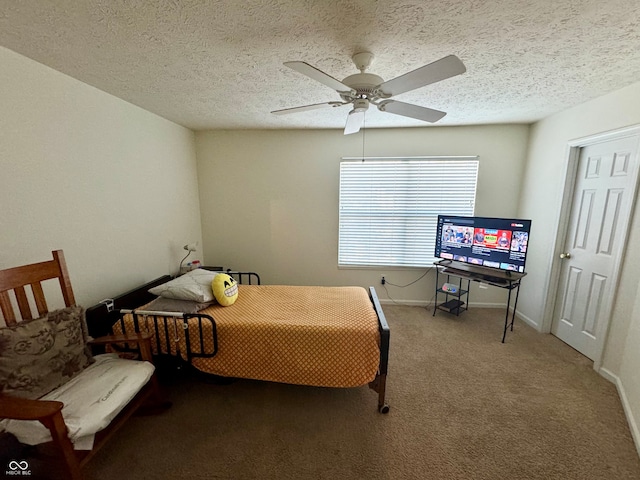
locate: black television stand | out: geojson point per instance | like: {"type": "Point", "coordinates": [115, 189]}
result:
{"type": "Point", "coordinates": [467, 273]}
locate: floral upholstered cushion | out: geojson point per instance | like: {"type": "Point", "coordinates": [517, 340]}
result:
{"type": "Point", "coordinates": [37, 356]}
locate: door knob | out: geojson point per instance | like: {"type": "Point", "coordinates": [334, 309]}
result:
{"type": "Point", "coordinates": [565, 255]}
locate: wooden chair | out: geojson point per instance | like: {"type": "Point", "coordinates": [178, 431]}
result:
{"type": "Point", "coordinates": [49, 412]}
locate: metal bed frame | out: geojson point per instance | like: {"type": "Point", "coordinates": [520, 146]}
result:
{"type": "Point", "coordinates": [98, 320]}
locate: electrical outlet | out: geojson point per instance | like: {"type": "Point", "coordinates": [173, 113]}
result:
{"type": "Point", "coordinates": [383, 281]}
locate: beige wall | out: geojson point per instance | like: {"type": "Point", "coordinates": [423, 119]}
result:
{"type": "Point", "coordinates": [540, 200]}
{"type": "Point", "coordinates": [269, 199]}
{"type": "Point", "coordinates": [112, 185]}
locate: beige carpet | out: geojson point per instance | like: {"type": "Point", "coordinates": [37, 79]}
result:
{"type": "Point", "coordinates": [463, 406]}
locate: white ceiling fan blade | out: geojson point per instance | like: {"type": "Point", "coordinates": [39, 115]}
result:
{"type": "Point", "coordinates": [446, 67]}
{"type": "Point", "coordinates": [355, 120]}
{"type": "Point", "coordinates": [304, 108]}
{"type": "Point", "coordinates": [318, 76]}
{"type": "Point", "coordinates": [414, 111]}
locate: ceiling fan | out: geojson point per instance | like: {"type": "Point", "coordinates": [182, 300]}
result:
{"type": "Point", "coordinates": [363, 89]}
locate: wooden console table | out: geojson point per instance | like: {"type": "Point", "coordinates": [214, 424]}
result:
{"type": "Point", "coordinates": [497, 278]}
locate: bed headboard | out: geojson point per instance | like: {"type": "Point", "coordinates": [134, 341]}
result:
{"type": "Point", "coordinates": [244, 278]}
{"type": "Point", "coordinates": [101, 316]}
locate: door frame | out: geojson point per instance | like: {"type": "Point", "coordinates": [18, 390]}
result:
{"type": "Point", "coordinates": [570, 178]}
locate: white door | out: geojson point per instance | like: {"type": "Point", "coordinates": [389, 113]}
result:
{"type": "Point", "coordinates": [602, 204]}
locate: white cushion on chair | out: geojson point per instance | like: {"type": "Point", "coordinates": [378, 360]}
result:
{"type": "Point", "coordinates": [91, 400]}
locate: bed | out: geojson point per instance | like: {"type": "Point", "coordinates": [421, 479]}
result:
{"type": "Point", "coordinates": [317, 336]}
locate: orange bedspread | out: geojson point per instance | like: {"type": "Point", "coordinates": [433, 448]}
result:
{"type": "Point", "coordinates": [321, 336]}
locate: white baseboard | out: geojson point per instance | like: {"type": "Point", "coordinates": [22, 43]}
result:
{"type": "Point", "coordinates": [528, 321]}
{"type": "Point", "coordinates": [409, 303]}
{"type": "Point", "coordinates": [612, 377]}
{"type": "Point", "coordinates": [633, 425]}
{"type": "Point", "coordinates": [422, 303]}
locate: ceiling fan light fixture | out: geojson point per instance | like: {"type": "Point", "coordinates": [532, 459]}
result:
{"type": "Point", "coordinates": [360, 105]}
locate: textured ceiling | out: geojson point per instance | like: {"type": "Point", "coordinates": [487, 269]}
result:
{"type": "Point", "coordinates": [219, 64]}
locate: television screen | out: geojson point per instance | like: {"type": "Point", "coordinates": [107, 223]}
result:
{"type": "Point", "coordinates": [489, 242]}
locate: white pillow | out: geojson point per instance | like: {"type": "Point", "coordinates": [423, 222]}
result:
{"type": "Point", "coordinates": [194, 285]}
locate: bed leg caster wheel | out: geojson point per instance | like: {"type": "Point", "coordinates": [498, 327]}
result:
{"type": "Point", "coordinates": [383, 408]}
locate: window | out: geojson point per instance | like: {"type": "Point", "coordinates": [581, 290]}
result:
{"type": "Point", "coordinates": [389, 207]}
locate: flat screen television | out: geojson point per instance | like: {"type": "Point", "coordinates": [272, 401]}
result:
{"type": "Point", "coordinates": [499, 243]}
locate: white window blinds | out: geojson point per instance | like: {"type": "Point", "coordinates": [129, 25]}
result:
{"type": "Point", "coordinates": [389, 207]}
